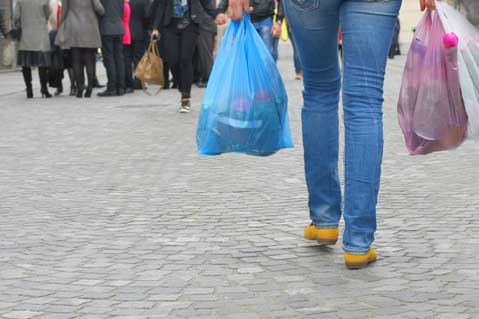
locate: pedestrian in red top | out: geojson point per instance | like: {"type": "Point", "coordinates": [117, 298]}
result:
{"type": "Point", "coordinates": [126, 48]}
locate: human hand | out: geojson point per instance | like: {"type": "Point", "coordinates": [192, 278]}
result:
{"type": "Point", "coordinates": [155, 33]}
{"type": "Point", "coordinates": [427, 4]}
{"type": "Point", "coordinates": [236, 8]}
{"type": "Point", "coordinates": [276, 30]}
{"type": "Point", "coordinates": [221, 19]}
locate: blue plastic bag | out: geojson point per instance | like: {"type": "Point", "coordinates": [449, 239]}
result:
{"type": "Point", "coordinates": [245, 107]}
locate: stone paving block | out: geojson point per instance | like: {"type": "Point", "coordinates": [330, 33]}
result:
{"type": "Point", "coordinates": [22, 314]}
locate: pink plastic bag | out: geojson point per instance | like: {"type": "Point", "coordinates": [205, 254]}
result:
{"type": "Point", "coordinates": [431, 111]}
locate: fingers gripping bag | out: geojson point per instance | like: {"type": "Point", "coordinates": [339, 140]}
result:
{"type": "Point", "coordinates": [245, 107]}
{"type": "Point", "coordinates": [468, 61]}
{"type": "Point", "coordinates": [431, 110]}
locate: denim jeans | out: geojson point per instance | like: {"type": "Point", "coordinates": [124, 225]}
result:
{"type": "Point", "coordinates": [275, 49]}
{"type": "Point", "coordinates": [368, 27]}
{"type": "Point", "coordinates": [264, 28]}
{"type": "Point", "coordinates": [298, 68]}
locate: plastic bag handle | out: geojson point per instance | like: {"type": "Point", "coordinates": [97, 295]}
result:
{"type": "Point", "coordinates": [424, 26]}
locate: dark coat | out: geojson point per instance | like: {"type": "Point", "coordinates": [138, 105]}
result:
{"type": "Point", "coordinates": [209, 25]}
{"type": "Point", "coordinates": [140, 13]}
{"type": "Point", "coordinates": [79, 24]}
{"type": "Point", "coordinates": [202, 11]}
{"type": "Point", "coordinates": [111, 22]}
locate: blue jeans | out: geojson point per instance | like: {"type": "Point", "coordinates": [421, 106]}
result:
{"type": "Point", "coordinates": [264, 30]}
{"type": "Point", "coordinates": [368, 27]}
{"type": "Point", "coordinates": [275, 49]}
{"type": "Point", "coordinates": [298, 68]}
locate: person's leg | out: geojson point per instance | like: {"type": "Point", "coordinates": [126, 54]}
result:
{"type": "Point", "coordinates": [264, 30]}
{"type": "Point", "coordinates": [315, 29]}
{"type": "Point", "coordinates": [89, 56]}
{"type": "Point", "coordinates": [109, 62]}
{"type": "Point", "coordinates": [139, 48]}
{"type": "Point", "coordinates": [163, 54]}
{"type": "Point", "coordinates": [205, 55]}
{"type": "Point", "coordinates": [119, 64]}
{"type": "Point", "coordinates": [27, 78]}
{"type": "Point", "coordinates": [171, 48]}
{"type": "Point", "coordinates": [210, 56]}
{"type": "Point", "coordinates": [71, 76]}
{"type": "Point", "coordinates": [275, 49]}
{"type": "Point", "coordinates": [189, 39]}
{"type": "Point", "coordinates": [77, 63]}
{"type": "Point", "coordinates": [364, 67]}
{"type": "Point", "coordinates": [128, 52]}
{"type": "Point", "coordinates": [43, 74]}
{"type": "Point", "coordinates": [297, 62]}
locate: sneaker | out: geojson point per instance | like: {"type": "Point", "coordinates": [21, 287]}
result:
{"type": "Point", "coordinates": [298, 76]}
{"type": "Point", "coordinates": [185, 105]}
{"type": "Point", "coordinates": [360, 261]}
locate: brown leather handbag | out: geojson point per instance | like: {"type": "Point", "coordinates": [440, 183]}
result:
{"type": "Point", "coordinates": [150, 68]}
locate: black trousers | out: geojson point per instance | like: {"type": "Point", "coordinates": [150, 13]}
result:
{"type": "Point", "coordinates": [114, 61]}
{"type": "Point", "coordinates": [179, 45]}
{"type": "Point", "coordinates": [203, 61]}
{"type": "Point", "coordinates": [133, 55]}
{"type": "Point", "coordinates": [83, 58]}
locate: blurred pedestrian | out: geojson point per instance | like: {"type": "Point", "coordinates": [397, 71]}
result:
{"type": "Point", "coordinates": [178, 21]}
{"type": "Point", "coordinates": [31, 16]}
{"type": "Point", "coordinates": [127, 48]}
{"type": "Point", "coordinates": [161, 46]}
{"type": "Point", "coordinates": [276, 29]}
{"type": "Point", "coordinates": [112, 31]}
{"type": "Point", "coordinates": [395, 48]}
{"type": "Point", "coordinates": [55, 72]}
{"type": "Point", "coordinates": [79, 32]}
{"type": "Point", "coordinates": [139, 19]}
{"type": "Point", "coordinates": [203, 58]}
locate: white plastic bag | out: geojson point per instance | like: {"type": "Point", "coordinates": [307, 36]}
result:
{"type": "Point", "coordinates": [468, 61]}
{"type": "Point", "coordinates": [8, 54]}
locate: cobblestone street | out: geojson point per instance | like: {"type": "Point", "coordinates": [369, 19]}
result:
{"type": "Point", "coordinates": [106, 211]}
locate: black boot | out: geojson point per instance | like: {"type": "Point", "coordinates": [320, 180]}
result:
{"type": "Point", "coordinates": [27, 77]}
{"type": "Point", "coordinates": [43, 72]}
{"type": "Point", "coordinates": [59, 89]}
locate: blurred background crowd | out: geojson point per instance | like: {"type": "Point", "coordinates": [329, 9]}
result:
{"type": "Point", "coordinates": [65, 39]}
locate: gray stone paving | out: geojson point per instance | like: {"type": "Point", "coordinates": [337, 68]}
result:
{"type": "Point", "coordinates": [107, 212]}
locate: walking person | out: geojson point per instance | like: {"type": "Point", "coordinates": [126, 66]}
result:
{"type": "Point", "coordinates": [203, 58]}
{"type": "Point", "coordinates": [127, 48]}
{"type": "Point", "coordinates": [367, 32]}
{"type": "Point", "coordinates": [161, 46]}
{"type": "Point", "coordinates": [178, 21]}
{"type": "Point", "coordinates": [139, 20]}
{"type": "Point", "coordinates": [55, 72]}
{"type": "Point", "coordinates": [79, 32]}
{"type": "Point", "coordinates": [112, 31]}
{"type": "Point", "coordinates": [31, 16]}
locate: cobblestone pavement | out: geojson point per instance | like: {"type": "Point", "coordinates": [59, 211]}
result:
{"type": "Point", "coordinates": [106, 211]}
